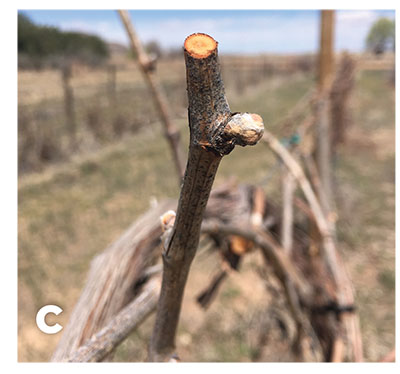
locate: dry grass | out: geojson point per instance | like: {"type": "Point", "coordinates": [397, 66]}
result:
{"type": "Point", "coordinates": [104, 108]}
{"type": "Point", "coordinates": [71, 212]}
{"type": "Point", "coordinates": [36, 86]}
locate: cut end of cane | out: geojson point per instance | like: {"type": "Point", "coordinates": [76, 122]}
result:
{"type": "Point", "coordinates": [167, 220]}
{"type": "Point", "coordinates": [245, 128]}
{"type": "Point", "coordinates": [200, 45]}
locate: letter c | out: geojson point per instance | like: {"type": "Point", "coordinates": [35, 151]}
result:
{"type": "Point", "coordinates": [41, 321]}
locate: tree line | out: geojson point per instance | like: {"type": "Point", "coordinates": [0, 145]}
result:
{"type": "Point", "coordinates": [40, 46]}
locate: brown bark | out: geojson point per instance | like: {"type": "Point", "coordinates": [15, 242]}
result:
{"type": "Point", "coordinates": [147, 67]}
{"type": "Point", "coordinates": [214, 131]}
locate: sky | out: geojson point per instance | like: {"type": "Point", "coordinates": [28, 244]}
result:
{"type": "Point", "coordinates": [237, 31]}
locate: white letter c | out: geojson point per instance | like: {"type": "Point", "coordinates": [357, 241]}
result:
{"type": "Point", "coordinates": [41, 322]}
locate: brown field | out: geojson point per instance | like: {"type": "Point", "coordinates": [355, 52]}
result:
{"type": "Point", "coordinates": [71, 208]}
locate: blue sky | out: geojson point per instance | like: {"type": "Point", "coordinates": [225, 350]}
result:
{"type": "Point", "coordinates": [242, 31]}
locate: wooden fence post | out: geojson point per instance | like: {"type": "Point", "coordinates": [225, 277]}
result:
{"type": "Point", "coordinates": [326, 58]}
{"type": "Point", "coordinates": [112, 86]}
{"type": "Point", "coordinates": [325, 74]}
{"type": "Point", "coordinates": [69, 105]}
{"type": "Point", "coordinates": [322, 144]}
{"type": "Point", "coordinates": [214, 132]}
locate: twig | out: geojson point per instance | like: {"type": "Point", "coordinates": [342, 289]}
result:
{"type": "Point", "coordinates": [298, 173]}
{"type": "Point", "coordinates": [101, 344]}
{"type": "Point", "coordinates": [332, 259]}
{"type": "Point", "coordinates": [309, 350]}
{"type": "Point", "coordinates": [280, 262]}
{"type": "Point", "coordinates": [146, 65]}
{"type": "Point", "coordinates": [304, 208]}
{"type": "Point", "coordinates": [316, 182]}
{"type": "Point", "coordinates": [214, 131]}
{"type": "Point", "coordinates": [233, 248]}
{"type": "Point", "coordinates": [258, 208]}
{"type": "Point", "coordinates": [337, 350]}
{"type": "Point", "coordinates": [206, 297]}
{"type": "Point", "coordinates": [288, 189]}
{"type": "Point", "coordinates": [295, 286]}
